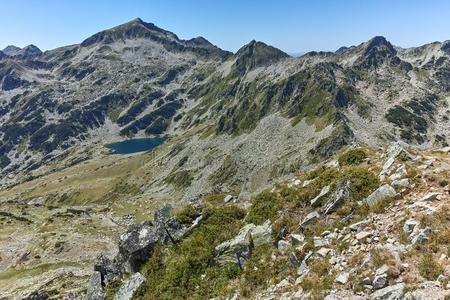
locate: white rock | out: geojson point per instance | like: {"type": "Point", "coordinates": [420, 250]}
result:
{"type": "Point", "coordinates": [323, 251]}
{"type": "Point", "coordinates": [342, 278]}
{"type": "Point", "coordinates": [400, 183]}
{"type": "Point", "coordinates": [429, 197]}
{"type": "Point", "coordinates": [363, 235]}
{"type": "Point", "coordinates": [297, 239]}
{"type": "Point", "coordinates": [228, 198]}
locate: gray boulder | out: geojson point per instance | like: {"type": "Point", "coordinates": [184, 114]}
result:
{"type": "Point", "coordinates": [379, 281]}
{"type": "Point", "coordinates": [127, 289]}
{"type": "Point", "coordinates": [239, 249]}
{"type": "Point", "coordinates": [383, 192]}
{"type": "Point", "coordinates": [108, 269]}
{"type": "Point", "coordinates": [311, 217]}
{"type": "Point", "coordinates": [338, 199]}
{"type": "Point", "coordinates": [393, 292]}
{"type": "Point", "coordinates": [95, 289]}
{"type": "Point", "coordinates": [319, 198]}
{"type": "Point", "coordinates": [400, 183]}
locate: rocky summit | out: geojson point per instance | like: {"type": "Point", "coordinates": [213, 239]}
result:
{"type": "Point", "coordinates": [324, 176]}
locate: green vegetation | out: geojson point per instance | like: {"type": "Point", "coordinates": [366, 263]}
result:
{"type": "Point", "coordinates": [186, 215]}
{"type": "Point", "coordinates": [352, 157]}
{"type": "Point", "coordinates": [264, 206]}
{"type": "Point", "coordinates": [319, 279]}
{"type": "Point", "coordinates": [176, 273]}
{"type": "Point", "coordinates": [429, 267]}
{"type": "Point", "coordinates": [181, 179]}
{"type": "Point", "coordinates": [261, 270]}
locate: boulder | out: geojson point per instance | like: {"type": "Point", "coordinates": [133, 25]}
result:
{"type": "Point", "coordinates": [109, 270]}
{"type": "Point", "coordinates": [379, 281]}
{"type": "Point", "coordinates": [383, 192]}
{"type": "Point", "coordinates": [136, 245]}
{"type": "Point", "coordinates": [393, 292]}
{"type": "Point", "coordinates": [239, 249]}
{"type": "Point", "coordinates": [398, 173]}
{"type": "Point", "coordinates": [323, 251]}
{"type": "Point", "coordinates": [342, 278]}
{"type": "Point", "coordinates": [127, 289]}
{"type": "Point", "coordinates": [360, 236]}
{"type": "Point", "coordinates": [95, 289]}
{"type": "Point", "coordinates": [338, 198]}
{"type": "Point", "coordinates": [429, 197]}
{"type": "Point", "coordinates": [297, 239]}
{"type": "Point", "coordinates": [400, 183]}
{"type": "Point", "coordinates": [311, 217]}
{"type": "Point", "coordinates": [228, 198]}
{"type": "Point", "coordinates": [317, 201]}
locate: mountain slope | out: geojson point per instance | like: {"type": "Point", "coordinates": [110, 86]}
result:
{"type": "Point", "coordinates": [138, 79]}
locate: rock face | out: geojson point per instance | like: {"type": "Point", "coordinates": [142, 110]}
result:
{"type": "Point", "coordinates": [338, 199]}
{"type": "Point", "coordinates": [239, 249]}
{"type": "Point", "coordinates": [383, 192]}
{"type": "Point", "coordinates": [127, 289]}
{"type": "Point", "coordinates": [95, 289]}
{"type": "Point", "coordinates": [136, 246]}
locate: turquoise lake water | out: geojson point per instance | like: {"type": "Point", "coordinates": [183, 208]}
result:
{"type": "Point", "coordinates": [135, 145]}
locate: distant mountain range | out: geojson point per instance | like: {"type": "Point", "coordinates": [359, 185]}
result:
{"type": "Point", "coordinates": [137, 79]}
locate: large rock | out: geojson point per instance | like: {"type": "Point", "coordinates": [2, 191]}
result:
{"type": "Point", "coordinates": [319, 198]}
{"type": "Point", "coordinates": [137, 243]}
{"type": "Point", "coordinates": [416, 235]}
{"type": "Point", "coordinates": [311, 217]}
{"type": "Point", "coordinates": [108, 269]}
{"type": "Point", "coordinates": [239, 249]}
{"type": "Point", "coordinates": [338, 198]}
{"type": "Point", "coordinates": [383, 192]}
{"type": "Point", "coordinates": [95, 289]}
{"type": "Point", "coordinates": [127, 289]}
{"type": "Point", "coordinates": [393, 292]}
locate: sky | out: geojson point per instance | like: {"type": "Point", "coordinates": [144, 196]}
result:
{"type": "Point", "coordinates": [292, 26]}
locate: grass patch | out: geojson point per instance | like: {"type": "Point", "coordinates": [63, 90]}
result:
{"type": "Point", "coordinates": [429, 267]}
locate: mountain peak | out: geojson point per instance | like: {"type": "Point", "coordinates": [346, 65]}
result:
{"type": "Point", "coordinates": [256, 54]}
{"type": "Point", "coordinates": [11, 50]}
{"type": "Point", "coordinates": [378, 43]}
{"type": "Point", "coordinates": [135, 28]}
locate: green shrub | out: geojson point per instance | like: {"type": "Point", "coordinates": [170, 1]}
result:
{"type": "Point", "coordinates": [352, 157]}
{"type": "Point", "coordinates": [187, 214]}
{"type": "Point", "coordinates": [363, 182]}
{"type": "Point", "coordinates": [264, 206]}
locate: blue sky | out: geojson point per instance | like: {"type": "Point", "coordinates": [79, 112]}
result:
{"type": "Point", "coordinates": [293, 26]}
